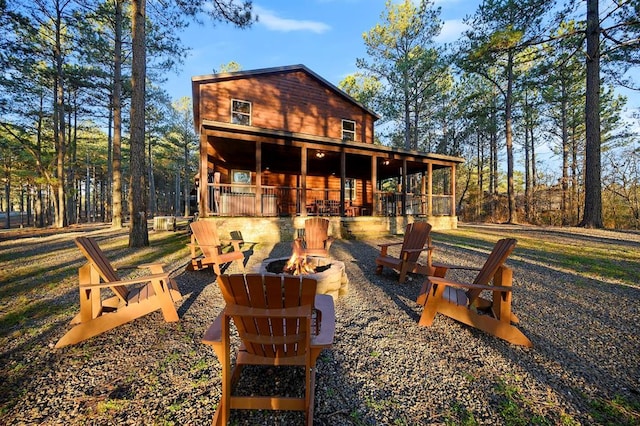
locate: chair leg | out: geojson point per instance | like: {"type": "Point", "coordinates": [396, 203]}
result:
{"type": "Point", "coordinates": [404, 270]}
{"type": "Point", "coordinates": [432, 300]}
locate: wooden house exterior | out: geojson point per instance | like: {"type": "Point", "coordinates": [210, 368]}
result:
{"type": "Point", "coordinates": [284, 142]}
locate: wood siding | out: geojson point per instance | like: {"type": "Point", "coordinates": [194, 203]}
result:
{"type": "Point", "coordinates": [292, 101]}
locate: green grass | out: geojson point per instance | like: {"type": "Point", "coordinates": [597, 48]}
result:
{"type": "Point", "coordinates": [600, 260]}
{"type": "Point", "coordinates": [617, 411]}
{"type": "Point", "coordinates": [459, 416]}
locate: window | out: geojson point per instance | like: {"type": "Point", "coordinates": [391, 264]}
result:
{"type": "Point", "coordinates": [240, 112]}
{"type": "Point", "coordinates": [348, 130]}
{"type": "Point", "coordinates": [350, 189]}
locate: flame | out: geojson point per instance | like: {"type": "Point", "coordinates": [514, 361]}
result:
{"type": "Point", "coordinates": [297, 263]}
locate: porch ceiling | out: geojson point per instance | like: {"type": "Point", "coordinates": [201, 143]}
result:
{"type": "Point", "coordinates": [284, 156]}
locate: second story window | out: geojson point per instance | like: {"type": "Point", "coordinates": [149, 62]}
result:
{"type": "Point", "coordinates": [348, 130]}
{"type": "Point", "coordinates": [240, 112]}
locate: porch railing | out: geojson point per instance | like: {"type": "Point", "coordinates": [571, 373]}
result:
{"type": "Point", "coordinates": [240, 200]}
{"type": "Point", "coordinates": [390, 204]}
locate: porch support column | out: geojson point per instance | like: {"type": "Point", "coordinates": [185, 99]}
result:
{"type": "Point", "coordinates": [429, 190]}
{"type": "Point", "coordinates": [453, 191]}
{"type": "Point", "coordinates": [258, 197]}
{"type": "Point", "coordinates": [203, 208]}
{"type": "Point", "coordinates": [404, 186]}
{"type": "Point", "coordinates": [303, 181]}
{"type": "Point", "coordinates": [343, 177]}
{"type": "Point", "coordinates": [423, 194]}
{"type": "Point", "coordinates": [374, 185]}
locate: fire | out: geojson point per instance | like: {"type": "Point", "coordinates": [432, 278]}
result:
{"type": "Point", "coordinates": [297, 263]}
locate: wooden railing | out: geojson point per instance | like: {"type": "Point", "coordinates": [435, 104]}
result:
{"type": "Point", "coordinates": [390, 204]}
{"type": "Point", "coordinates": [241, 200]}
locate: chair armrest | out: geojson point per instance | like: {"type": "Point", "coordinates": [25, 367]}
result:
{"type": "Point", "coordinates": [449, 283]}
{"type": "Point", "coordinates": [326, 315]}
{"type": "Point", "coordinates": [416, 250]}
{"type": "Point", "coordinates": [389, 244]}
{"type": "Point", "coordinates": [213, 335]}
{"type": "Point", "coordinates": [231, 241]}
{"type": "Point", "coordinates": [448, 266]}
{"type": "Point", "coordinates": [137, 280]}
{"type": "Point", "coordinates": [328, 242]}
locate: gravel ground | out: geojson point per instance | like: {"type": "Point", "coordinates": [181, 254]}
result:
{"type": "Point", "coordinates": [382, 369]}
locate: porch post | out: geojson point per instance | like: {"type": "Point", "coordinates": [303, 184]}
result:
{"type": "Point", "coordinates": [303, 181]}
{"type": "Point", "coordinates": [258, 198]}
{"type": "Point", "coordinates": [404, 186]}
{"type": "Point", "coordinates": [374, 185]}
{"type": "Point", "coordinates": [203, 208]}
{"type": "Point", "coordinates": [429, 189]}
{"type": "Point", "coordinates": [423, 193]}
{"type": "Point", "coordinates": [343, 174]}
{"type": "Point", "coordinates": [453, 190]}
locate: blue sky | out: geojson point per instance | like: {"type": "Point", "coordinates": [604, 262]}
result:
{"type": "Point", "coordinates": [324, 35]}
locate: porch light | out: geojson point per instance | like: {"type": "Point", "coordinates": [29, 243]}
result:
{"type": "Point", "coordinates": [319, 154]}
{"type": "Point", "coordinates": [385, 162]}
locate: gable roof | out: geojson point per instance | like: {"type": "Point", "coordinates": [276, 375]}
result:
{"type": "Point", "coordinates": [211, 78]}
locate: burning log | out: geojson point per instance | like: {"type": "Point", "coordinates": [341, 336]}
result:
{"type": "Point", "coordinates": [297, 263]}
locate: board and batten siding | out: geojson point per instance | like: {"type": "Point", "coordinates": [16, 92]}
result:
{"type": "Point", "coordinates": [292, 101]}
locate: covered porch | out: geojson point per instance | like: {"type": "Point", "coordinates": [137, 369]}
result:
{"type": "Point", "coordinates": [253, 172]}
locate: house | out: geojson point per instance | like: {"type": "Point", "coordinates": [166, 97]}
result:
{"type": "Point", "coordinates": [284, 143]}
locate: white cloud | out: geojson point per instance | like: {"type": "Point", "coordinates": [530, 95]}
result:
{"type": "Point", "coordinates": [451, 31]}
{"type": "Point", "coordinates": [273, 22]}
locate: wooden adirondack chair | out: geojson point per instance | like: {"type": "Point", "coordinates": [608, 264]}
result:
{"type": "Point", "coordinates": [204, 236]}
{"type": "Point", "coordinates": [316, 241]}
{"type": "Point", "coordinates": [417, 239]}
{"type": "Point", "coordinates": [280, 321]}
{"type": "Point", "coordinates": [96, 315]}
{"type": "Point", "coordinates": [463, 301]}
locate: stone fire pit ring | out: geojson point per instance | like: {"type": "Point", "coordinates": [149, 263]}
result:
{"type": "Point", "coordinates": [332, 280]}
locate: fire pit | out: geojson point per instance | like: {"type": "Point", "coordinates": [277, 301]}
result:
{"type": "Point", "coordinates": [330, 273]}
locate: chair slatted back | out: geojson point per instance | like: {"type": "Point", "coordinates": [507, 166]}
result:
{"type": "Point", "coordinates": [416, 236]}
{"type": "Point", "coordinates": [316, 232]}
{"type": "Point", "coordinates": [205, 233]}
{"type": "Point", "coordinates": [496, 259]}
{"type": "Point", "coordinates": [271, 337]}
{"type": "Point", "coordinates": [96, 257]}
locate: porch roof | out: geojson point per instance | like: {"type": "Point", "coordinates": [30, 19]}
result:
{"type": "Point", "coordinates": [238, 143]}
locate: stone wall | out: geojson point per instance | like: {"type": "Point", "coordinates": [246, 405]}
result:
{"type": "Point", "coordinates": [276, 229]}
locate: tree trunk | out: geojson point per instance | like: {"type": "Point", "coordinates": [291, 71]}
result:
{"type": "Point", "coordinates": [565, 158]}
{"type": "Point", "coordinates": [138, 232]}
{"type": "Point", "coordinates": [152, 184]}
{"type": "Point", "coordinates": [592, 173]}
{"type": "Point", "coordinates": [527, 158]}
{"type": "Point", "coordinates": [513, 218]}
{"type": "Point", "coordinates": [59, 128]}
{"type": "Point", "coordinates": [116, 200]}
{"type": "Point", "coordinates": [187, 177]}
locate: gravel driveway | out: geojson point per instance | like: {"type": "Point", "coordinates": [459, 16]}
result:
{"type": "Point", "coordinates": [383, 368]}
